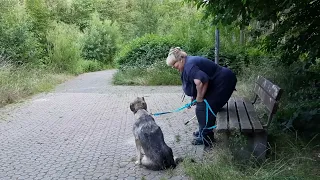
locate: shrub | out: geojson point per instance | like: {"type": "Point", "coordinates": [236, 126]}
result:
{"type": "Point", "coordinates": [100, 40]}
{"type": "Point", "coordinates": [299, 104]}
{"type": "Point", "coordinates": [19, 82]}
{"type": "Point", "coordinates": [90, 66]}
{"type": "Point", "coordinates": [146, 50]}
{"type": "Point", "coordinates": [16, 38]}
{"type": "Point", "coordinates": [65, 47]}
{"type": "Point", "coordinates": [156, 74]}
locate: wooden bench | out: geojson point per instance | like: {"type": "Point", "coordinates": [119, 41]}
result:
{"type": "Point", "coordinates": [238, 115]}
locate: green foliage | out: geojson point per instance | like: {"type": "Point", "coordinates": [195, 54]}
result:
{"type": "Point", "coordinates": [187, 30]}
{"type": "Point", "coordinates": [16, 38]}
{"type": "Point", "coordinates": [123, 12]}
{"type": "Point", "coordinates": [145, 51]}
{"type": "Point", "coordinates": [109, 9]}
{"type": "Point", "coordinates": [40, 17]}
{"type": "Point", "coordinates": [241, 12]}
{"type": "Point", "coordinates": [157, 74]}
{"type": "Point", "coordinates": [287, 158]}
{"type": "Point", "coordinates": [60, 10]}
{"type": "Point", "coordinates": [161, 74]}
{"type": "Point", "coordinates": [296, 34]}
{"type": "Point", "coordinates": [184, 23]}
{"type": "Point", "coordinates": [75, 12]}
{"type": "Point", "coordinates": [130, 76]}
{"type": "Point", "coordinates": [295, 24]}
{"type": "Point", "coordinates": [299, 104]}
{"type": "Point", "coordinates": [147, 17]}
{"type": "Point", "coordinates": [90, 66]}
{"type": "Point", "coordinates": [100, 40]}
{"type": "Point", "coordinates": [17, 83]}
{"type": "Point", "coordinates": [65, 47]}
{"type": "Point", "coordinates": [81, 11]}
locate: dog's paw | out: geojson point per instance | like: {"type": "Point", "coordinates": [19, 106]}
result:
{"type": "Point", "coordinates": [178, 160]}
{"type": "Point", "coordinates": [138, 163]}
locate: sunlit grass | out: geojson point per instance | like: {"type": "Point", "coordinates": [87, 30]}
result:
{"type": "Point", "coordinates": [157, 74]}
{"type": "Point", "coordinates": [17, 83]}
{"type": "Point", "coordinates": [288, 159]}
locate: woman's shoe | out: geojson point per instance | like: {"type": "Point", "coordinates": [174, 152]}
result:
{"type": "Point", "coordinates": [196, 133]}
{"type": "Point", "coordinates": [207, 140]}
{"type": "Point", "coordinates": [197, 141]}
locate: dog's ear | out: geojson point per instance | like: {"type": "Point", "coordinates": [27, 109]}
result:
{"type": "Point", "coordinates": [143, 98]}
{"type": "Point", "coordinates": [131, 107]}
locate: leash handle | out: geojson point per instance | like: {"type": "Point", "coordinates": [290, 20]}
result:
{"type": "Point", "coordinates": [158, 114]}
{"type": "Point", "coordinates": [189, 120]}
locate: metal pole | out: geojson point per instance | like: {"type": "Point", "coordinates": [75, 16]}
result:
{"type": "Point", "coordinates": [216, 53]}
{"type": "Point", "coordinates": [241, 37]}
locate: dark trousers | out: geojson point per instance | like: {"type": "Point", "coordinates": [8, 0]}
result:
{"type": "Point", "coordinates": [220, 91]}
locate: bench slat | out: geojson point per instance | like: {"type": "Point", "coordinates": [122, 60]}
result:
{"type": "Point", "coordinates": [271, 89]}
{"type": "Point", "coordinates": [257, 127]}
{"type": "Point", "coordinates": [222, 120]}
{"type": "Point", "coordinates": [243, 116]}
{"type": "Point", "coordinates": [267, 100]}
{"type": "Point", "coordinates": [233, 118]}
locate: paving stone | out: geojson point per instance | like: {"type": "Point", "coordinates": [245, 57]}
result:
{"type": "Point", "coordinates": [97, 175]}
{"type": "Point", "coordinates": [79, 176]}
{"type": "Point", "coordinates": [83, 130]}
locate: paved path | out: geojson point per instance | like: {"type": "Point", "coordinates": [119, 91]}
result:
{"type": "Point", "coordinates": [83, 130]}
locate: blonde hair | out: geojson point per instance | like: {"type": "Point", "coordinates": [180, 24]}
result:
{"type": "Point", "coordinates": [175, 54]}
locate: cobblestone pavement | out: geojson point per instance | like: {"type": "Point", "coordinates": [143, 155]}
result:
{"type": "Point", "coordinates": [83, 130]}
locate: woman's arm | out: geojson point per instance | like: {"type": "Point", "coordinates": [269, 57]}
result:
{"type": "Point", "coordinates": [201, 89]}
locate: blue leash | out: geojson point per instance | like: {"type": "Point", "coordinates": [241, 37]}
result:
{"type": "Point", "coordinates": [188, 105]}
{"type": "Point", "coordinates": [177, 110]}
{"type": "Point", "coordinates": [207, 116]}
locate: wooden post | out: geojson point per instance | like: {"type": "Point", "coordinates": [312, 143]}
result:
{"type": "Point", "coordinates": [216, 53]}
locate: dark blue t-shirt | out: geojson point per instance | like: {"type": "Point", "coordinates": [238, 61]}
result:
{"type": "Point", "coordinates": [201, 68]}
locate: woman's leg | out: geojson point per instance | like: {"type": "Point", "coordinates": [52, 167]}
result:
{"type": "Point", "coordinates": [217, 98]}
{"type": "Point", "coordinates": [205, 136]}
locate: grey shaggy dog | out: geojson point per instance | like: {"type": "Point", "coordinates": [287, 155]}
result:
{"type": "Point", "coordinates": [152, 152]}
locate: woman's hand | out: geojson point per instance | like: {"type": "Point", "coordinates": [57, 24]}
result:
{"type": "Point", "coordinates": [201, 89]}
{"type": "Point", "coordinates": [192, 104]}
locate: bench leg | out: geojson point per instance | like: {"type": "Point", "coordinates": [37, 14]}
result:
{"type": "Point", "coordinates": [255, 146]}
{"type": "Point", "coordinates": [224, 139]}
{"type": "Point", "coordinates": [260, 146]}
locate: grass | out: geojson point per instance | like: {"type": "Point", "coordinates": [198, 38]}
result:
{"type": "Point", "coordinates": [288, 159]}
{"type": "Point", "coordinates": [17, 83]}
{"type": "Point", "coordinates": [177, 138]}
{"type": "Point", "coordinates": [147, 76]}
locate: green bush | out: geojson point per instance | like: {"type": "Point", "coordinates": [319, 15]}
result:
{"type": "Point", "coordinates": [161, 74]}
{"type": "Point", "coordinates": [197, 35]}
{"type": "Point", "coordinates": [299, 108]}
{"type": "Point", "coordinates": [16, 38]}
{"type": "Point", "coordinates": [100, 40]}
{"type": "Point", "coordinates": [156, 74]}
{"type": "Point", "coordinates": [90, 66]}
{"type": "Point", "coordinates": [19, 82]}
{"type": "Point", "coordinates": [64, 47]}
{"type": "Point", "coordinates": [145, 51]}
